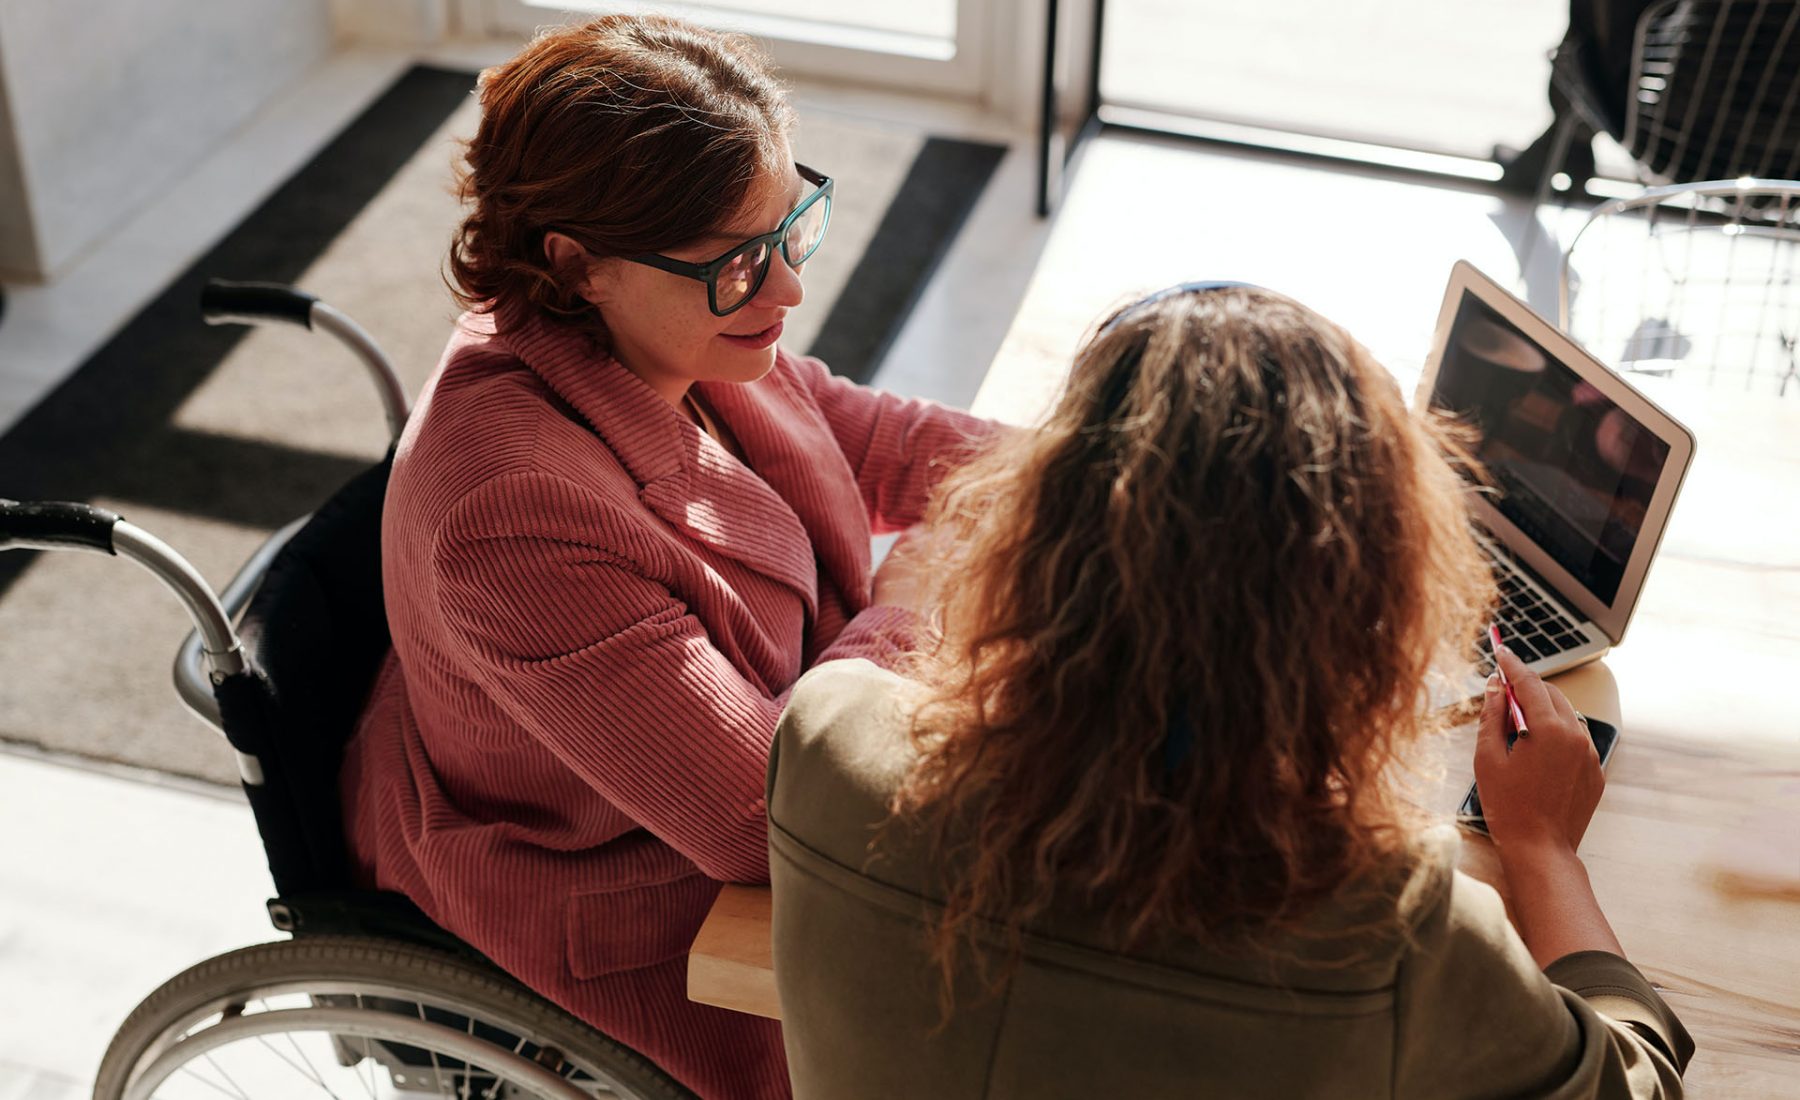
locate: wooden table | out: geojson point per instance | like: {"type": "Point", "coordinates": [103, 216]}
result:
{"type": "Point", "coordinates": [1695, 851]}
{"type": "Point", "coordinates": [731, 964]}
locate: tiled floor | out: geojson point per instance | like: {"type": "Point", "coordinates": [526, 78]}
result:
{"type": "Point", "coordinates": [110, 883]}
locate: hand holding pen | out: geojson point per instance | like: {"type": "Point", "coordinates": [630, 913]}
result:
{"type": "Point", "coordinates": [1540, 790]}
{"type": "Point", "coordinates": [1515, 716]}
{"type": "Point", "coordinates": [1538, 795]}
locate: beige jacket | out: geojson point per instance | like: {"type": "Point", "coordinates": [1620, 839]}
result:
{"type": "Point", "coordinates": [1453, 1007]}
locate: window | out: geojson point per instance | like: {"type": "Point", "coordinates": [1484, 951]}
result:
{"type": "Point", "coordinates": [936, 46]}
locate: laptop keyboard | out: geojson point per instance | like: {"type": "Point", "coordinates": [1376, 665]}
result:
{"type": "Point", "coordinates": [1531, 625]}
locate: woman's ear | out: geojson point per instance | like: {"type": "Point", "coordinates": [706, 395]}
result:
{"type": "Point", "coordinates": [568, 259]}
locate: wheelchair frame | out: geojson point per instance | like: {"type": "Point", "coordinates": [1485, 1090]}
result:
{"type": "Point", "coordinates": [393, 992]}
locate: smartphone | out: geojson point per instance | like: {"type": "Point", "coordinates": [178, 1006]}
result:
{"type": "Point", "coordinates": [1605, 736]}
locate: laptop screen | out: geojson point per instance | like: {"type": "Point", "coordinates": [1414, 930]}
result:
{"type": "Point", "coordinates": [1575, 472]}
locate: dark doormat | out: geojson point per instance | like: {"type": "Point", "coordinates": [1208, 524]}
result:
{"type": "Point", "coordinates": [116, 432]}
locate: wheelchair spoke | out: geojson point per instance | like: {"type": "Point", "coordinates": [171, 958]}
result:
{"type": "Point", "coordinates": [317, 1077]}
{"type": "Point", "coordinates": [366, 1071]}
{"type": "Point", "coordinates": [401, 1026]}
{"type": "Point", "coordinates": [466, 1073]}
{"type": "Point", "coordinates": [189, 1070]}
{"type": "Point", "coordinates": [436, 1066]}
{"type": "Point", "coordinates": [309, 1072]}
{"type": "Point", "coordinates": [221, 1070]}
{"type": "Point", "coordinates": [494, 1089]}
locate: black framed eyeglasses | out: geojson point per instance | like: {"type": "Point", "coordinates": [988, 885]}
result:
{"type": "Point", "coordinates": [734, 278]}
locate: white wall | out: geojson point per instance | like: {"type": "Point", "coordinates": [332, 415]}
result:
{"type": "Point", "coordinates": [18, 240]}
{"type": "Point", "coordinates": [108, 102]}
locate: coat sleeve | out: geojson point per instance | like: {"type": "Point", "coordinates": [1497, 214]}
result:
{"type": "Point", "coordinates": [1475, 1008]}
{"type": "Point", "coordinates": [579, 644]}
{"type": "Point", "coordinates": [898, 448]}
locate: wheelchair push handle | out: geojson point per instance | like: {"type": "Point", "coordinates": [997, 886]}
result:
{"type": "Point", "coordinates": [55, 525]}
{"type": "Point", "coordinates": [225, 302]}
{"type": "Point", "coordinates": [70, 525]}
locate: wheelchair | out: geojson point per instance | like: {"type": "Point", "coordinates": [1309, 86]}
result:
{"type": "Point", "coordinates": [367, 997]}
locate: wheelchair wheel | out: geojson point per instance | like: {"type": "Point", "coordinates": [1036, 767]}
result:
{"type": "Point", "coordinates": [343, 1016]}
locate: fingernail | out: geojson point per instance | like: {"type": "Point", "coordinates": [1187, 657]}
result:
{"type": "Point", "coordinates": [1493, 683]}
{"type": "Point", "coordinates": [1506, 649]}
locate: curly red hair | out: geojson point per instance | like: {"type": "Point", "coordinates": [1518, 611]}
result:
{"type": "Point", "coordinates": [1187, 629]}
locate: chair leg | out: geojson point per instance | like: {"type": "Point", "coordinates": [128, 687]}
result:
{"type": "Point", "coordinates": [1561, 137]}
{"type": "Point", "coordinates": [1524, 172]}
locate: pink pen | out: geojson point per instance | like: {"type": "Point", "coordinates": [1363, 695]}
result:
{"type": "Point", "coordinates": [1512, 702]}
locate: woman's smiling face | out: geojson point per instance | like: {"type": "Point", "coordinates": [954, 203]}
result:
{"type": "Point", "coordinates": [661, 325]}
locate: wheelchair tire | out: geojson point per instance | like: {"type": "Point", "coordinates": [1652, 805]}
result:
{"type": "Point", "coordinates": [427, 1019]}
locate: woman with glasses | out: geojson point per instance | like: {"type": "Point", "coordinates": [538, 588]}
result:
{"type": "Point", "coordinates": [621, 523]}
{"type": "Point", "coordinates": [1145, 820]}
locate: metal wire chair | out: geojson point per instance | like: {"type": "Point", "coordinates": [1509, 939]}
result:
{"type": "Point", "coordinates": [1697, 90]}
{"type": "Point", "coordinates": [1716, 90]}
{"type": "Point", "coordinates": [1699, 283]}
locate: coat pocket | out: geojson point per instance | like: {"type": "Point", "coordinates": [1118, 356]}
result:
{"type": "Point", "coordinates": [630, 927]}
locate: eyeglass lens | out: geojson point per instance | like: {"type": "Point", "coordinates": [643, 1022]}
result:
{"type": "Point", "coordinates": [743, 273]}
{"type": "Point", "coordinates": [805, 233]}
{"type": "Point", "coordinates": [738, 279]}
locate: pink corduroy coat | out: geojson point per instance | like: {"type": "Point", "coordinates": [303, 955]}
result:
{"type": "Point", "coordinates": [597, 615]}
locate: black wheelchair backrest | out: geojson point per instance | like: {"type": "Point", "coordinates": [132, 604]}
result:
{"type": "Point", "coordinates": [317, 633]}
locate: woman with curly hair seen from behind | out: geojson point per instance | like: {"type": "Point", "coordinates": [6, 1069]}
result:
{"type": "Point", "coordinates": [621, 523]}
{"type": "Point", "coordinates": [1138, 824]}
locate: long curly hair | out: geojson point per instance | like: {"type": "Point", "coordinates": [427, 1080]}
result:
{"type": "Point", "coordinates": [629, 133]}
{"type": "Point", "coordinates": [1185, 631]}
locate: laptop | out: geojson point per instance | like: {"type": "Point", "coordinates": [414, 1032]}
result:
{"type": "Point", "coordinates": [1584, 472]}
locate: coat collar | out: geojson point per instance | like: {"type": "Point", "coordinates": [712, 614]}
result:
{"type": "Point", "coordinates": [683, 474]}
{"type": "Point", "coordinates": [793, 448]}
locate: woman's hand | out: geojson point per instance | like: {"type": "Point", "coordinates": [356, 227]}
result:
{"type": "Point", "coordinates": [1543, 790]}
{"type": "Point", "coordinates": [1538, 798]}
